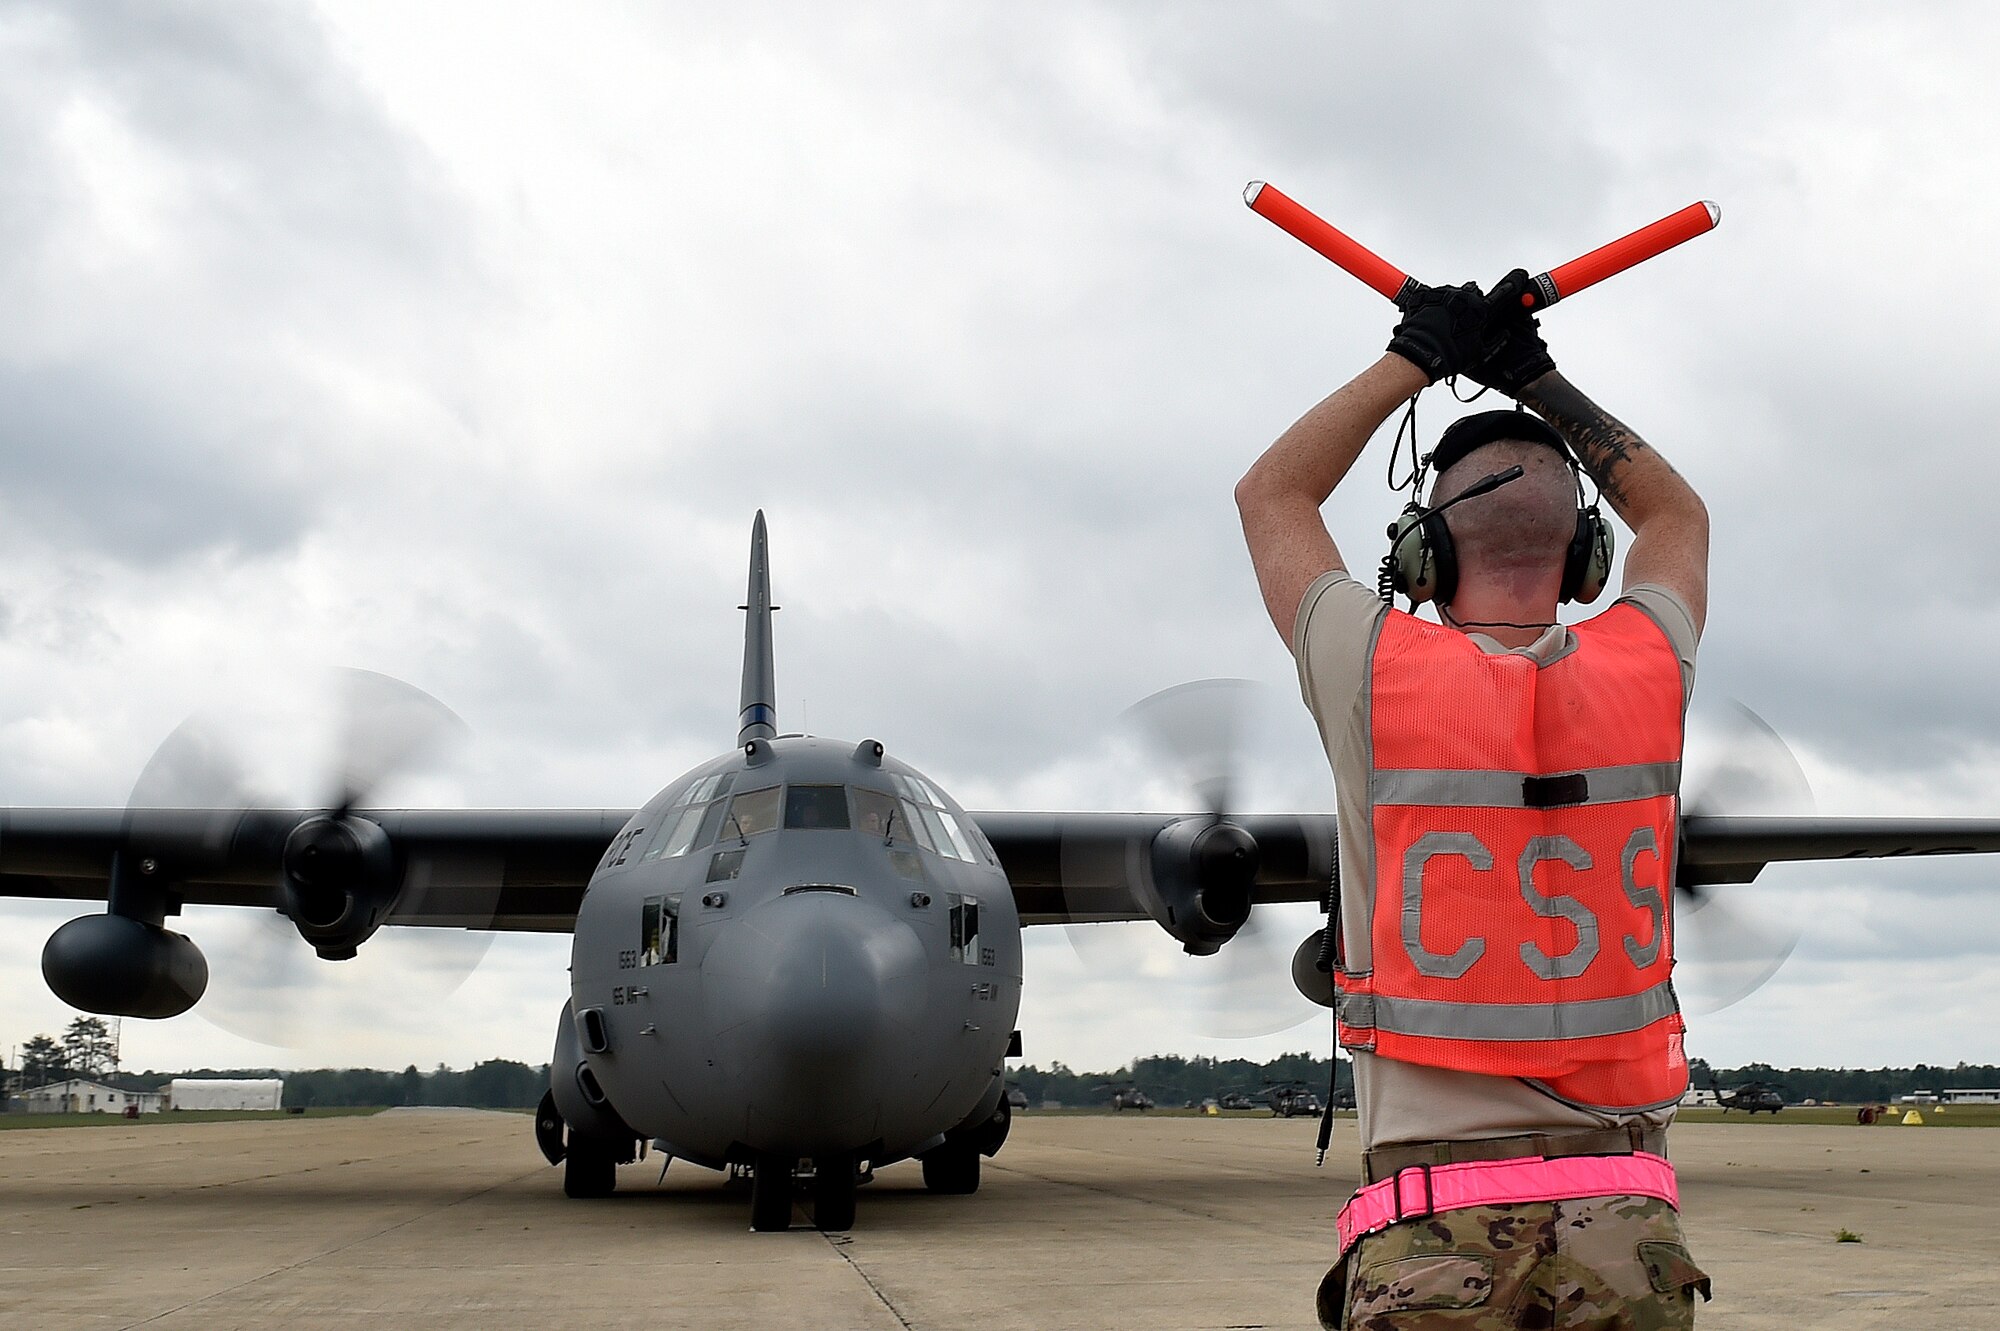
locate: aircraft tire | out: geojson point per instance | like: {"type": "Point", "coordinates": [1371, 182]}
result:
{"type": "Point", "coordinates": [833, 1193]}
{"type": "Point", "coordinates": [771, 1195]}
{"type": "Point", "coordinates": [952, 1170]}
{"type": "Point", "coordinates": [589, 1170]}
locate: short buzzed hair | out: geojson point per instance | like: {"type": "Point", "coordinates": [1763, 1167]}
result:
{"type": "Point", "coordinates": [1525, 525]}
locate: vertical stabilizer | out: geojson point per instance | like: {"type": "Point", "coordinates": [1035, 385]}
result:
{"type": "Point", "coordinates": [758, 718]}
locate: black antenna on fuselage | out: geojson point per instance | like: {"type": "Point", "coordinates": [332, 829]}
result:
{"type": "Point", "coordinates": [758, 718]}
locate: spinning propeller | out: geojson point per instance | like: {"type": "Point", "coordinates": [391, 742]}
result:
{"type": "Point", "coordinates": [1200, 870]}
{"type": "Point", "coordinates": [1728, 943]}
{"type": "Point", "coordinates": [339, 877]}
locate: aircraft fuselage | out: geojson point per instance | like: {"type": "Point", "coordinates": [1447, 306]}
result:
{"type": "Point", "coordinates": [802, 948]}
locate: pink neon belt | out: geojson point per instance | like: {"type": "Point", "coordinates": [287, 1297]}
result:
{"type": "Point", "coordinates": [1423, 1190]}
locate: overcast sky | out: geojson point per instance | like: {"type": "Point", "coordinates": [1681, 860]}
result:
{"type": "Point", "coordinates": [462, 343]}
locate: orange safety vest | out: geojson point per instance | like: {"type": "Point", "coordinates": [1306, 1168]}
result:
{"type": "Point", "coordinates": [1523, 820]}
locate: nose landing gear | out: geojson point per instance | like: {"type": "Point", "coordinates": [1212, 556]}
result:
{"type": "Point", "coordinates": [773, 1191]}
{"type": "Point", "coordinates": [952, 1169]}
{"type": "Point", "coordinates": [590, 1169]}
{"type": "Point", "coordinates": [833, 1192]}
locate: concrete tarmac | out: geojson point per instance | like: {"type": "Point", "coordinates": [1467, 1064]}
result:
{"type": "Point", "coordinates": [450, 1219]}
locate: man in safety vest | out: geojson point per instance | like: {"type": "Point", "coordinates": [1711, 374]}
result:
{"type": "Point", "coordinates": [1508, 804]}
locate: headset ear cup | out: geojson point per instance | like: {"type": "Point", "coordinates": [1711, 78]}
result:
{"type": "Point", "coordinates": [1587, 566]}
{"type": "Point", "coordinates": [1422, 566]}
{"type": "Point", "coordinates": [1409, 561]}
{"type": "Point", "coordinates": [1443, 556]}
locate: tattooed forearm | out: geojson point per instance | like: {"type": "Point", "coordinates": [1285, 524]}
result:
{"type": "Point", "coordinates": [1617, 459]}
{"type": "Point", "coordinates": [1668, 520]}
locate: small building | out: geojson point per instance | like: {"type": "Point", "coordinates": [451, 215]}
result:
{"type": "Point", "coordinates": [79, 1096]}
{"type": "Point", "coordinates": [1696, 1098]}
{"type": "Point", "coordinates": [1985, 1095]}
{"type": "Point", "coordinates": [226, 1093]}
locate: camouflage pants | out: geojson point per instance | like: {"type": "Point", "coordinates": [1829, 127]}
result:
{"type": "Point", "coordinates": [1602, 1263]}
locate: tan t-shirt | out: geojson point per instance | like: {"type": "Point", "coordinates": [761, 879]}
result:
{"type": "Point", "coordinates": [1406, 1102]}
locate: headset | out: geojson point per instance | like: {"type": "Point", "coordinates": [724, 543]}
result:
{"type": "Point", "coordinates": [1422, 563]}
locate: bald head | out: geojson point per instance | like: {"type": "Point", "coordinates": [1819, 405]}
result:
{"type": "Point", "coordinates": [1522, 528]}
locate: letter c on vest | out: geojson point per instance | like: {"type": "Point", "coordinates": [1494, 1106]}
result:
{"type": "Point", "coordinates": [1426, 848]}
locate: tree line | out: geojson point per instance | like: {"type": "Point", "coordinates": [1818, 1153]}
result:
{"type": "Point", "coordinates": [495, 1084]}
{"type": "Point", "coordinates": [498, 1083]}
{"type": "Point", "coordinates": [1849, 1085]}
{"type": "Point", "coordinates": [86, 1048]}
{"type": "Point", "coordinates": [1173, 1080]}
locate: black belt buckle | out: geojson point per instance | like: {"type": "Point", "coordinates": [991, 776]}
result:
{"type": "Point", "coordinates": [1430, 1196]}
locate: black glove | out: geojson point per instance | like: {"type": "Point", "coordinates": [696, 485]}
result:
{"type": "Point", "coordinates": [1512, 354]}
{"type": "Point", "coordinates": [1442, 329]}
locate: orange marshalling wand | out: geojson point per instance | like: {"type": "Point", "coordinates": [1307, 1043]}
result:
{"type": "Point", "coordinates": [1272, 204]}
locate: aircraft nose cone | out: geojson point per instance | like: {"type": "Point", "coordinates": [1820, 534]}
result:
{"type": "Point", "coordinates": [813, 995]}
{"type": "Point", "coordinates": [823, 992]}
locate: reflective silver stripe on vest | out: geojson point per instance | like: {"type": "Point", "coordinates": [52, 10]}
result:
{"type": "Point", "coordinates": [1508, 790]}
{"type": "Point", "coordinates": [1508, 1021]}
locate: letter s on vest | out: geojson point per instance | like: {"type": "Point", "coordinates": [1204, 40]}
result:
{"type": "Point", "coordinates": [1523, 819]}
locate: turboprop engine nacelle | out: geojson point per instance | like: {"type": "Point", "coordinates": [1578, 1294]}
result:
{"type": "Point", "coordinates": [1203, 870]}
{"type": "Point", "coordinates": [341, 881]}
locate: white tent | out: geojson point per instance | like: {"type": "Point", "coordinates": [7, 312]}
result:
{"type": "Point", "coordinates": [225, 1093]}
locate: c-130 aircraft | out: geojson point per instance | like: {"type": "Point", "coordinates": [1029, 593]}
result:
{"type": "Point", "coordinates": [800, 959]}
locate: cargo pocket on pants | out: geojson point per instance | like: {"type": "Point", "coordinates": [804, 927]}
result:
{"type": "Point", "coordinates": [1414, 1284]}
{"type": "Point", "coordinates": [1672, 1271]}
{"type": "Point", "coordinates": [1331, 1300]}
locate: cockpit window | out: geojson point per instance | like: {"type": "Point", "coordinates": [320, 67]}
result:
{"type": "Point", "coordinates": [916, 815]}
{"type": "Point", "coordinates": [940, 840]}
{"type": "Point", "coordinates": [816, 807]}
{"type": "Point", "coordinates": [751, 812]}
{"type": "Point", "coordinates": [908, 825]}
{"type": "Point", "coordinates": [875, 812]}
{"type": "Point", "coordinates": [958, 837]}
{"type": "Point", "coordinates": [681, 824]}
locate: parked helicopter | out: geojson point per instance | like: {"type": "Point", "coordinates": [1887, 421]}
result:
{"type": "Point", "coordinates": [1128, 1096]}
{"type": "Point", "coordinates": [1750, 1097]}
{"type": "Point", "coordinates": [1290, 1099]}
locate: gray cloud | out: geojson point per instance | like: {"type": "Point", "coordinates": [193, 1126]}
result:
{"type": "Point", "coordinates": [465, 352]}
{"type": "Point", "coordinates": [206, 222]}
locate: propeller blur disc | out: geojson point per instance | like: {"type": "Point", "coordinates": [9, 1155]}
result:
{"type": "Point", "coordinates": [266, 984]}
{"type": "Point", "coordinates": [1188, 740]}
{"type": "Point", "coordinates": [1729, 940]}
{"type": "Point", "coordinates": [1196, 729]}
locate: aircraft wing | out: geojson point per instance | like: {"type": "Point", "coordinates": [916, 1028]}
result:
{"type": "Point", "coordinates": [525, 869]}
{"type": "Point", "coordinates": [1075, 868]}
{"type": "Point", "coordinates": [1088, 867]}
{"type": "Point", "coordinates": [1724, 849]}
{"type": "Point", "coordinates": [512, 869]}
